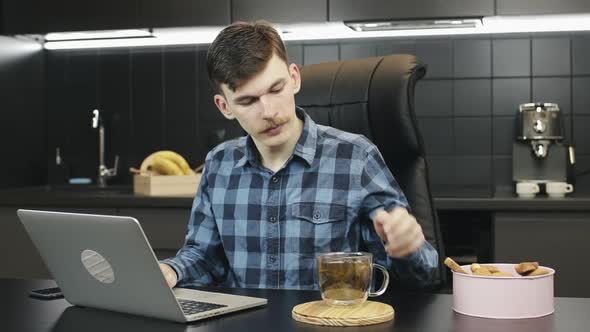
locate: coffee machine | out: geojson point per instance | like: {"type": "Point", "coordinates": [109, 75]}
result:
{"type": "Point", "coordinates": [539, 155]}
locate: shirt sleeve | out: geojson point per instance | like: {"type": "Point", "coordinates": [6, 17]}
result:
{"type": "Point", "coordinates": [202, 260]}
{"type": "Point", "coordinates": [380, 190]}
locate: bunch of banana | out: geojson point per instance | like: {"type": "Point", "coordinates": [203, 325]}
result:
{"type": "Point", "coordinates": [167, 162]}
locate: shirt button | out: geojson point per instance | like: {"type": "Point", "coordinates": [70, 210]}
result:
{"type": "Point", "coordinates": [317, 215]}
{"type": "Point", "coordinates": [273, 219]}
{"type": "Point", "coordinates": [275, 179]}
{"type": "Point", "coordinates": [272, 258]}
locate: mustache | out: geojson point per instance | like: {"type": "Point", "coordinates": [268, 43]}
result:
{"type": "Point", "coordinates": [274, 123]}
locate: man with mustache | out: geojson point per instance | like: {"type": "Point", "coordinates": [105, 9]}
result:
{"type": "Point", "coordinates": [269, 202]}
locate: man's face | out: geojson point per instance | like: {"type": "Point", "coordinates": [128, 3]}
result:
{"type": "Point", "coordinates": [265, 105]}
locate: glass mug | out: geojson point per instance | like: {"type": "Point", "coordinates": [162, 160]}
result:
{"type": "Point", "coordinates": [346, 277]}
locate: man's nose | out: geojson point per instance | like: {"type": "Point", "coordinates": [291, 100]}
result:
{"type": "Point", "coordinates": [268, 111]}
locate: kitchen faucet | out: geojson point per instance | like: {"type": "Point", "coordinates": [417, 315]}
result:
{"type": "Point", "coordinates": [103, 172]}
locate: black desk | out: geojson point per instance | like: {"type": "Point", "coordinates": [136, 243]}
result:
{"type": "Point", "coordinates": [413, 312]}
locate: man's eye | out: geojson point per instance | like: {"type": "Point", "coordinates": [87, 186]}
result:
{"type": "Point", "coordinates": [247, 102]}
{"type": "Point", "coordinates": [277, 90]}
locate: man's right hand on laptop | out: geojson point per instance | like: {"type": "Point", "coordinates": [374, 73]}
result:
{"type": "Point", "coordinates": [169, 274]}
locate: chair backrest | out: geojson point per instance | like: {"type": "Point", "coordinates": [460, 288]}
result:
{"type": "Point", "coordinates": [375, 97]}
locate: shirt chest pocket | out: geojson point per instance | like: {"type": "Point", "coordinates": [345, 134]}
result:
{"type": "Point", "coordinates": [319, 213]}
{"type": "Point", "coordinates": [316, 227]}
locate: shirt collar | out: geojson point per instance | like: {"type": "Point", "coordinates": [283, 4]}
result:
{"type": "Point", "coordinates": [307, 143]}
{"type": "Point", "coordinates": [305, 147]}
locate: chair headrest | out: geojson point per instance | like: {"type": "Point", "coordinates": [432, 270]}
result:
{"type": "Point", "coordinates": [381, 87]}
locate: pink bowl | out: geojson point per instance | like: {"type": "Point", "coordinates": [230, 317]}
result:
{"type": "Point", "coordinates": [503, 297]}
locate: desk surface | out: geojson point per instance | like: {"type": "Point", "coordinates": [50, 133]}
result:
{"type": "Point", "coordinates": [413, 312]}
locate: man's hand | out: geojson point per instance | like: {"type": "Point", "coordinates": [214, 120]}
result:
{"type": "Point", "coordinates": [169, 274]}
{"type": "Point", "coordinates": [400, 232]}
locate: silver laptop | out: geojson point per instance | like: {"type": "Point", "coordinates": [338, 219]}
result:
{"type": "Point", "coordinates": [106, 262]}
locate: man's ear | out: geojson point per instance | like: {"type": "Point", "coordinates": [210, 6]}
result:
{"type": "Point", "coordinates": [221, 104]}
{"type": "Point", "coordinates": [296, 77]}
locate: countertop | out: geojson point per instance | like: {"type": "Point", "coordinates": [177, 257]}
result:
{"type": "Point", "coordinates": [122, 196]}
{"type": "Point", "coordinates": [87, 196]}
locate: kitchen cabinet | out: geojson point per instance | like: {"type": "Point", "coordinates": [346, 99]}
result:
{"type": "Point", "coordinates": [557, 240]}
{"type": "Point", "coordinates": [37, 16]}
{"type": "Point", "coordinates": [354, 10]}
{"type": "Point", "coordinates": [280, 11]}
{"type": "Point", "coordinates": [178, 13]}
{"type": "Point", "coordinates": [72, 15]}
{"type": "Point", "coordinates": [22, 16]}
{"type": "Point", "coordinates": [539, 7]}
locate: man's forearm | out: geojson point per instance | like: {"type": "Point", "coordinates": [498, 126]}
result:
{"type": "Point", "coordinates": [416, 269]}
{"type": "Point", "coordinates": [190, 264]}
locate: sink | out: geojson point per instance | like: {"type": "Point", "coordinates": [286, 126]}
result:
{"type": "Point", "coordinates": [89, 189]}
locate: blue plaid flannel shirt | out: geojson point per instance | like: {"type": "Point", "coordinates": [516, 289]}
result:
{"type": "Point", "coordinates": [250, 227]}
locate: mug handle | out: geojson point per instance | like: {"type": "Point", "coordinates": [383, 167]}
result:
{"type": "Point", "coordinates": [385, 281]}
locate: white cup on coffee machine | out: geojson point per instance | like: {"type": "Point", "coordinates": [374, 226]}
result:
{"type": "Point", "coordinates": [527, 189]}
{"type": "Point", "coordinates": [558, 189]}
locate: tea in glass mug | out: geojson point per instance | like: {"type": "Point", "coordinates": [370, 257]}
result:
{"type": "Point", "coordinates": [346, 278]}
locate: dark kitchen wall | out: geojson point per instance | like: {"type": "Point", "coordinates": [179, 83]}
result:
{"type": "Point", "coordinates": [159, 98]}
{"type": "Point", "coordinates": [151, 99]}
{"type": "Point", "coordinates": [22, 107]}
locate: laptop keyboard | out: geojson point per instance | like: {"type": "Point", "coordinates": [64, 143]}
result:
{"type": "Point", "coordinates": [195, 307]}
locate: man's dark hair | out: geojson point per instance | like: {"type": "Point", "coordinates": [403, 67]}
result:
{"type": "Point", "coordinates": [241, 51]}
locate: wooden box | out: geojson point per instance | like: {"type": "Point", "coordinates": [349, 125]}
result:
{"type": "Point", "coordinates": [166, 185]}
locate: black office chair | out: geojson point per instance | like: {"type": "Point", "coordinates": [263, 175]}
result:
{"type": "Point", "coordinates": [375, 97]}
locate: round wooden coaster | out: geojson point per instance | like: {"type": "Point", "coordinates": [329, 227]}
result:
{"type": "Point", "coordinates": [319, 313]}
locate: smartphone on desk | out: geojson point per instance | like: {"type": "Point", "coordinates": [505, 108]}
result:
{"type": "Point", "coordinates": [47, 293]}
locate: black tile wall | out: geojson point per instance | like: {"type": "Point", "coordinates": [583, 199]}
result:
{"type": "Point", "coordinates": [360, 50]}
{"type": "Point", "coordinates": [437, 134]}
{"type": "Point", "coordinates": [581, 95]}
{"type": "Point", "coordinates": [473, 135]}
{"type": "Point", "coordinates": [509, 93]}
{"type": "Point", "coordinates": [582, 134]}
{"type": "Point", "coordinates": [567, 128]}
{"type": "Point", "coordinates": [472, 97]}
{"type": "Point", "coordinates": [551, 56]}
{"type": "Point", "coordinates": [385, 47]}
{"type": "Point", "coordinates": [583, 166]}
{"type": "Point", "coordinates": [553, 90]}
{"type": "Point", "coordinates": [502, 171]}
{"type": "Point", "coordinates": [473, 171]}
{"type": "Point", "coordinates": [511, 57]}
{"type": "Point", "coordinates": [504, 132]}
{"type": "Point", "coordinates": [472, 58]}
{"type": "Point", "coordinates": [466, 105]}
{"type": "Point", "coordinates": [434, 98]}
{"type": "Point", "coordinates": [581, 55]}
{"type": "Point", "coordinates": [439, 57]}
{"type": "Point", "coordinates": [442, 171]}
{"type": "Point", "coordinates": [320, 53]}
{"type": "Point", "coordinates": [295, 53]}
